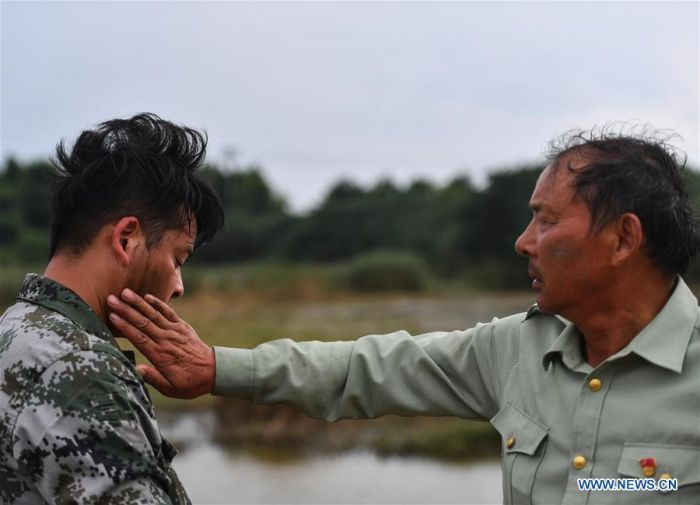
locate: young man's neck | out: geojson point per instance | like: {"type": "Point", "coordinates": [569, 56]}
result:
{"type": "Point", "coordinates": [79, 276]}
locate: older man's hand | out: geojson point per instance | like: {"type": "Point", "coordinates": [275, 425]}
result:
{"type": "Point", "coordinates": [184, 366]}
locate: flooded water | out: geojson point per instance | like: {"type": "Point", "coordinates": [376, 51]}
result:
{"type": "Point", "coordinates": [213, 475]}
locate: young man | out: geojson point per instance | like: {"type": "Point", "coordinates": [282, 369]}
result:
{"type": "Point", "coordinates": [76, 422]}
{"type": "Point", "coordinates": [599, 380]}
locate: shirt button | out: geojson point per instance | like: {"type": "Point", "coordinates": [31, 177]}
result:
{"type": "Point", "coordinates": [595, 385]}
{"type": "Point", "coordinates": [665, 476]}
{"type": "Point", "coordinates": [579, 462]}
{"type": "Point", "coordinates": [510, 442]}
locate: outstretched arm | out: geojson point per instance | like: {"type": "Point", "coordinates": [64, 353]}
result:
{"type": "Point", "coordinates": [442, 373]}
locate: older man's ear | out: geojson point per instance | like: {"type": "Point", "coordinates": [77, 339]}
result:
{"type": "Point", "coordinates": [629, 236]}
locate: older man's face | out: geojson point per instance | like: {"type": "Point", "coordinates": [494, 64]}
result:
{"type": "Point", "coordinates": [569, 264]}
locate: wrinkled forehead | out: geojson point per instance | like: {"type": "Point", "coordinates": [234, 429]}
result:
{"type": "Point", "coordinates": [575, 159]}
{"type": "Point", "coordinates": [554, 177]}
{"type": "Point", "coordinates": [555, 185]}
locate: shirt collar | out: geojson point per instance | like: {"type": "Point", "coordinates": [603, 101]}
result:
{"type": "Point", "coordinates": [662, 342]}
{"type": "Point", "coordinates": [54, 296]}
{"type": "Point", "coordinates": [568, 345]}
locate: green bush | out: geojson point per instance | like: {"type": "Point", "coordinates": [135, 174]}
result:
{"type": "Point", "coordinates": [11, 277]}
{"type": "Point", "coordinates": [33, 246]}
{"type": "Point", "coordinates": [270, 280]}
{"type": "Point", "coordinates": [461, 441]}
{"type": "Point", "coordinates": [498, 274]}
{"type": "Point", "coordinates": [385, 271]}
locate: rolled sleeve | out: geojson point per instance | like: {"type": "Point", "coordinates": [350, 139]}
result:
{"type": "Point", "coordinates": [234, 372]}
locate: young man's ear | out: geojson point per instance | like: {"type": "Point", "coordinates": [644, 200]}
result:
{"type": "Point", "coordinates": [126, 237]}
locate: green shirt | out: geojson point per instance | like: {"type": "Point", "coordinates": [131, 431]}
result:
{"type": "Point", "coordinates": [560, 418]}
{"type": "Point", "coordinates": [76, 422]}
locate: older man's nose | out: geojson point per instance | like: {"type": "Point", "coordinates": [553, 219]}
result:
{"type": "Point", "coordinates": [524, 243]}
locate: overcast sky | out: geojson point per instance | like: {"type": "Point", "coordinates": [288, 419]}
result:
{"type": "Point", "coordinates": [315, 92]}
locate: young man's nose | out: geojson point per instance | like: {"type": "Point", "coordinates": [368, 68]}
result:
{"type": "Point", "coordinates": [179, 286]}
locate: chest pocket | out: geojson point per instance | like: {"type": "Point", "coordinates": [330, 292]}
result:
{"type": "Point", "coordinates": [673, 461]}
{"type": "Point", "coordinates": [523, 448]}
{"type": "Point", "coordinates": [168, 450]}
{"type": "Point", "coordinates": [174, 487]}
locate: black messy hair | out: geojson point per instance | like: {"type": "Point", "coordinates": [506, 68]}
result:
{"type": "Point", "coordinates": [142, 166]}
{"type": "Point", "coordinates": [640, 172]}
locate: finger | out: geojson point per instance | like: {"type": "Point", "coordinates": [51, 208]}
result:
{"type": "Point", "coordinates": [143, 307]}
{"type": "Point", "coordinates": [130, 322]}
{"type": "Point", "coordinates": [155, 379]}
{"type": "Point", "coordinates": [163, 308]}
{"type": "Point", "coordinates": [137, 319]}
{"type": "Point", "coordinates": [141, 340]}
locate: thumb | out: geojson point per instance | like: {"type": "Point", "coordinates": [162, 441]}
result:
{"type": "Point", "coordinates": [155, 379]}
{"type": "Point", "coordinates": [143, 370]}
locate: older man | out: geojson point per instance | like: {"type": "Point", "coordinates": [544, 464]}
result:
{"type": "Point", "coordinates": [600, 379]}
{"type": "Point", "coordinates": [76, 422]}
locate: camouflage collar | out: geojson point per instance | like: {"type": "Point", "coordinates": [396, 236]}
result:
{"type": "Point", "coordinates": [54, 296]}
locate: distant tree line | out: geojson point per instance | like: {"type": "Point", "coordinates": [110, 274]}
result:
{"type": "Point", "coordinates": [456, 229]}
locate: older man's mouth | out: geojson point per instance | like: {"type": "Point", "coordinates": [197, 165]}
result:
{"type": "Point", "coordinates": [537, 282]}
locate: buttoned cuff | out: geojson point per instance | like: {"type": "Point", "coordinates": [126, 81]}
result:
{"type": "Point", "coordinates": [234, 372]}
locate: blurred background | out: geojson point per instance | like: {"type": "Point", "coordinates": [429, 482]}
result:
{"type": "Point", "coordinates": [375, 160]}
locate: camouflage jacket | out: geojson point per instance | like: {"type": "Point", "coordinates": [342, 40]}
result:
{"type": "Point", "coordinates": [76, 422]}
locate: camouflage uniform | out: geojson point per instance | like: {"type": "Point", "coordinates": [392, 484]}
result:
{"type": "Point", "coordinates": [76, 422]}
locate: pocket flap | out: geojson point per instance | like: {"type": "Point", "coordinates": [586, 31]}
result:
{"type": "Point", "coordinates": [520, 433]}
{"type": "Point", "coordinates": [679, 461]}
{"type": "Point", "coordinates": [168, 449]}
